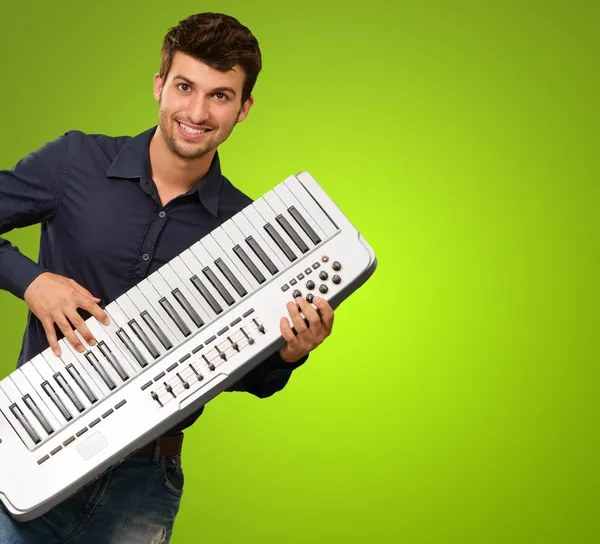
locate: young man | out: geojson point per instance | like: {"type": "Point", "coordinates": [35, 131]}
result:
{"type": "Point", "coordinates": [113, 210]}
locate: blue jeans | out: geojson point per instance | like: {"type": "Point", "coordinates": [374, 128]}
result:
{"type": "Point", "coordinates": [135, 502]}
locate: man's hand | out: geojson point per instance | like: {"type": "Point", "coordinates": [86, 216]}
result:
{"type": "Point", "coordinates": [55, 299]}
{"type": "Point", "coordinates": [308, 336]}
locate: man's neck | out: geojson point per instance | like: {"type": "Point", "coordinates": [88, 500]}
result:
{"type": "Point", "coordinates": [172, 173]}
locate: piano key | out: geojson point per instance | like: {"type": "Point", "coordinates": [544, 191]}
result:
{"type": "Point", "coordinates": [169, 304]}
{"type": "Point", "coordinates": [226, 245]}
{"type": "Point", "coordinates": [249, 264]}
{"type": "Point", "coordinates": [245, 221]}
{"type": "Point", "coordinates": [69, 392]}
{"type": "Point", "coordinates": [111, 351]}
{"type": "Point", "coordinates": [101, 368]}
{"type": "Point", "coordinates": [275, 232]}
{"type": "Point", "coordinates": [54, 403]}
{"type": "Point", "coordinates": [182, 271]}
{"type": "Point", "coordinates": [243, 283]}
{"type": "Point", "coordinates": [200, 283]}
{"type": "Point", "coordinates": [278, 239]}
{"type": "Point", "coordinates": [28, 438]}
{"type": "Point", "coordinates": [301, 240]}
{"type": "Point", "coordinates": [132, 346]}
{"type": "Point", "coordinates": [144, 307]}
{"type": "Point", "coordinates": [311, 206]}
{"type": "Point", "coordinates": [312, 228]}
{"type": "Point", "coordinates": [239, 240]}
{"type": "Point", "coordinates": [20, 412]}
{"type": "Point", "coordinates": [130, 310]}
{"type": "Point", "coordinates": [70, 358]}
{"type": "Point", "coordinates": [187, 300]}
{"type": "Point", "coordinates": [81, 383]}
{"type": "Point", "coordinates": [210, 272]}
{"type": "Point", "coordinates": [38, 405]}
{"type": "Point", "coordinates": [261, 254]}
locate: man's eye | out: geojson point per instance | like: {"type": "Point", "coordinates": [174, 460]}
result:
{"type": "Point", "coordinates": [181, 85]}
{"type": "Point", "coordinates": [223, 96]}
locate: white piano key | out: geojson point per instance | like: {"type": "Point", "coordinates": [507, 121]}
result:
{"type": "Point", "coordinates": [115, 313]}
{"type": "Point", "coordinates": [279, 208]}
{"type": "Point", "coordinates": [162, 288]}
{"type": "Point", "coordinates": [238, 238]}
{"type": "Point", "coordinates": [206, 260]}
{"type": "Point", "coordinates": [257, 222]}
{"type": "Point", "coordinates": [69, 356]}
{"type": "Point", "coordinates": [182, 271]}
{"type": "Point", "coordinates": [175, 281]}
{"type": "Point", "coordinates": [101, 334]}
{"type": "Point", "coordinates": [223, 245]}
{"type": "Point", "coordinates": [268, 215]}
{"type": "Point", "coordinates": [289, 199]}
{"type": "Point", "coordinates": [310, 205]}
{"type": "Point", "coordinates": [196, 267]}
{"type": "Point", "coordinates": [15, 396]}
{"type": "Point", "coordinates": [155, 349]}
{"type": "Point", "coordinates": [21, 379]}
{"type": "Point", "coordinates": [157, 314]}
{"type": "Point", "coordinates": [5, 404]}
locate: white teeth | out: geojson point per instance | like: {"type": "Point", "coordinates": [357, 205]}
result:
{"type": "Point", "coordinates": [191, 130]}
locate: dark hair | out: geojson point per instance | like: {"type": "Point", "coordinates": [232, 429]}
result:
{"type": "Point", "coordinates": [218, 40]}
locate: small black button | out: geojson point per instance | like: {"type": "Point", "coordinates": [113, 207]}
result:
{"type": "Point", "coordinates": [309, 298]}
{"type": "Point", "coordinates": [323, 288]}
{"type": "Point", "coordinates": [336, 279]}
{"type": "Point", "coordinates": [293, 281]}
{"type": "Point", "coordinates": [285, 287]}
{"type": "Point", "coordinates": [336, 266]}
{"type": "Point", "coordinates": [296, 293]}
{"type": "Point", "coordinates": [308, 271]}
{"type": "Point", "coordinates": [300, 276]}
{"type": "Point", "coordinates": [316, 265]}
{"type": "Point", "coordinates": [310, 284]}
{"type": "Point", "coordinates": [323, 275]}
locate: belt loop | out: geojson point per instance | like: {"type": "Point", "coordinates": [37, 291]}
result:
{"type": "Point", "coordinates": [156, 452]}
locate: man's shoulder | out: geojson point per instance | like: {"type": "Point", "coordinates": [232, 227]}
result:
{"type": "Point", "coordinates": [95, 139]}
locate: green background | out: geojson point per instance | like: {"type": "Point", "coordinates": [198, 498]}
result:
{"type": "Point", "coordinates": [456, 400]}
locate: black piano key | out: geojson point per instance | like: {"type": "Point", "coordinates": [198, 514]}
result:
{"type": "Point", "coordinates": [262, 255]}
{"type": "Point", "coordinates": [280, 242]}
{"type": "Point", "coordinates": [304, 225]}
{"type": "Point", "coordinates": [30, 403]}
{"type": "Point", "coordinates": [143, 337]}
{"type": "Point", "coordinates": [216, 283]}
{"type": "Point", "coordinates": [64, 385]}
{"type": "Point", "coordinates": [289, 230]}
{"type": "Point", "coordinates": [185, 304]}
{"type": "Point", "coordinates": [172, 313]}
{"type": "Point", "coordinates": [97, 366]}
{"type": "Point", "coordinates": [25, 423]}
{"type": "Point", "coordinates": [110, 357]}
{"type": "Point", "coordinates": [56, 400]}
{"type": "Point", "coordinates": [231, 278]}
{"type": "Point", "coordinates": [81, 383]}
{"type": "Point", "coordinates": [153, 326]}
{"type": "Point", "coordinates": [216, 307]}
{"type": "Point", "coordinates": [249, 264]}
{"type": "Point", "coordinates": [135, 352]}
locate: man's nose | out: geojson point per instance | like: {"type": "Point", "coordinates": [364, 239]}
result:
{"type": "Point", "coordinates": [199, 111]}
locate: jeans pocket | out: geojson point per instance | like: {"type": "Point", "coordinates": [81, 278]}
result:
{"type": "Point", "coordinates": [171, 474]}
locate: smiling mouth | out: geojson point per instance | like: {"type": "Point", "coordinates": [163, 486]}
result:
{"type": "Point", "coordinates": [192, 131]}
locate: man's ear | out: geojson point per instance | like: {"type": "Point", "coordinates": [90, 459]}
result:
{"type": "Point", "coordinates": [245, 109]}
{"type": "Point", "coordinates": [158, 85]}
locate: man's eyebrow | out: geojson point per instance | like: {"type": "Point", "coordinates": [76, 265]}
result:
{"type": "Point", "coordinates": [217, 90]}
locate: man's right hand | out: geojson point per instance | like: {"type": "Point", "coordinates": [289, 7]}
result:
{"type": "Point", "coordinates": [55, 299]}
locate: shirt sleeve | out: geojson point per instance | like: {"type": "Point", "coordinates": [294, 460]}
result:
{"type": "Point", "coordinates": [29, 195]}
{"type": "Point", "coordinates": [269, 377]}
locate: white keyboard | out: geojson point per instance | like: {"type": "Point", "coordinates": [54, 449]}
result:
{"type": "Point", "coordinates": [177, 339]}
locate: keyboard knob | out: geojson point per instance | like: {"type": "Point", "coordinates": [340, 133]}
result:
{"type": "Point", "coordinates": [296, 293]}
{"type": "Point", "coordinates": [309, 298]}
{"type": "Point", "coordinates": [336, 279]}
{"type": "Point", "coordinates": [310, 284]}
{"type": "Point", "coordinates": [323, 275]}
{"type": "Point", "coordinates": [323, 288]}
{"type": "Point", "coordinates": [336, 266]}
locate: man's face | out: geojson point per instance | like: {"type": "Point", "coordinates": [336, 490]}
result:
{"type": "Point", "coordinates": [196, 98]}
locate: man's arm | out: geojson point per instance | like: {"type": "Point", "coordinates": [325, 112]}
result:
{"type": "Point", "coordinates": [29, 195]}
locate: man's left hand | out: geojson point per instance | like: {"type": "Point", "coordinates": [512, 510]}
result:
{"type": "Point", "coordinates": [308, 336]}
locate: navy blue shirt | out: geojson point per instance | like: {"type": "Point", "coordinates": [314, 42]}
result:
{"type": "Point", "coordinates": [101, 226]}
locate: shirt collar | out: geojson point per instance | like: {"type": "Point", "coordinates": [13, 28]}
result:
{"type": "Point", "coordinates": [133, 162]}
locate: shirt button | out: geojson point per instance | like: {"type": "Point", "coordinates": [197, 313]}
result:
{"type": "Point", "coordinates": [145, 256]}
{"type": "Point", "coordinates": [162, 214]}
